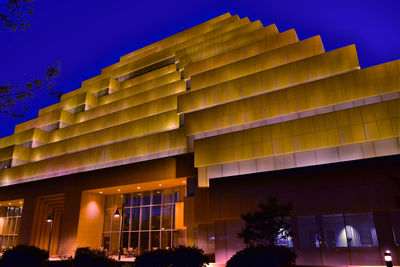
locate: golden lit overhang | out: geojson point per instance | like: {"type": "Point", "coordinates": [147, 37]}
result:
{"type": "Point", "coordinates": [227, 33]}
{"type": "Point", "coordinates": [138, 187]}
{"type": "Point", "coordinates": [11, 203]}
{"type": "Point", "coordinates": [228, 41]}
{"type": "Point", "coordinates": [243, 49]}
{"type": "Point", "coordinates": [313, 68]}
{"type": "Point", "coordinates": [183, 35]}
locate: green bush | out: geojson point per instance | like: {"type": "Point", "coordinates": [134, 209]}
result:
{"type": "Point", "coordinates": [263, 256]}
{"type": "Point", "coordinates": [25, 256]}
{"type": "Point", "coordinates": [181, 256]}
{"type": "Point", "coordinates": [155, 258]}
{"type": "Point", "coordinates": [86, 257]}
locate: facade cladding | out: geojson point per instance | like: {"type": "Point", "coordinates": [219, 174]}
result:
{"type": "Point", "coordinates": [186, 134]}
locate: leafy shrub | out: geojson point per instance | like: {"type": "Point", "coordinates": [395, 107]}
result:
{"type": "Point", "coordinates": [155, 258]}
{"type": "Point", "coordinates": [86, 257]}
{"type": "Point", "coordinates": [263, 256]}
{"type": "Point", "coordinates": [61, 263]}
{"type": "Point", "coordinates": [25, 256]}
{"type": "Point", "coordinates": [181, 256]}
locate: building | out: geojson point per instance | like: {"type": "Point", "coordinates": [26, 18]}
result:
{"type": "Point", "coordinates": [185, 135]}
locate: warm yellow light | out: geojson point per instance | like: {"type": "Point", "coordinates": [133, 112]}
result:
{"type": "Point", "coordinates": [138, 187]}
{"type": "Point", "coordinates": [101, 192]}
{"type": "Point", "coordinates": [9, 203]}
{"type": "Point", "coordinates": [119, 190]}
{"type": "Point", "coordinates": [159, 184]}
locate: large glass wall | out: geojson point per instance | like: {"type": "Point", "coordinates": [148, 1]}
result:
{"type": "Point", "coordinates": [147, 220]}
{"type": "Point", "coordinates": [337, 230]}
{"type": "Point", "coordinates": [10, 218]}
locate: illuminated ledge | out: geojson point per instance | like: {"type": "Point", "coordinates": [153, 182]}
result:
{"type": "Point", "coordinates": [265, 39]}
{"type": "Point", "coordinates": [372, 149]}
{"type": "Point", "coordinates": [206, 124]}
{"type": "Point", "coordinates": [139, 187]}
{"type": "Point", "coordinates": [159, 155]}
{"type": "Point", "coordinates": [156, 146]}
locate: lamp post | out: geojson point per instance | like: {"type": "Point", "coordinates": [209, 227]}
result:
{"type": "Point", "coordinates": [50, 220]}
{"type": "Point", "coordinates": [117, 215]}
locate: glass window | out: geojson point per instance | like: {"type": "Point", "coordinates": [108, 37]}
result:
{"type": "Point", "coordinates": [135, 219]}
{"type": "Point", "coordinates": [127, 219]}
{"type": "Point", "coordinates": [166, 217]}
{"type": "Point", "coordinates": [144, 242]}
{"type": "Point", "coordinates": [307, 232]}
{"type": "Point", "coordinates": [10, 218]}
{"type": "Point", "coordinates": [128, 200]}
{"type": "Point", "coordinates": [134, 242]}
{"type": "Point", "coordinates": [108, 214]}
{"type": "Point", "coordinates": [360, 230]}
{"type": "Point", "coordinates": [136, 197]}
{"type": "Point", "coordinates": [146, 196]}
{"type": "Point", "coordinates": [334, 234]}
{"type": "Point", "coordinates": [156, 197]}
{"type": "Point", "coordinates": [155, 217]}
{"type": "Point", "coordinates": [167, 195]}
{"type": "Point", "coordinates": [155, 240]}
{"type": "Point", "coordinates": [106, 242]}
{"type": "Point", "coordinates": [166, 239]}
{"type": "Point", "coordinates": [145, 218]}
{"type": "Point", "coordinates": [147, 221]}
{"type": "Point", "coordinates": [395, 218]}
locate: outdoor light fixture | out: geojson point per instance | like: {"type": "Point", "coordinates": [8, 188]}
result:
{"type": "Point", "coordinates": [116, 214]}
{"type": "Point", "coordinates": [388, 258]}
{"type": "Point", "coordinates": [50, 220]}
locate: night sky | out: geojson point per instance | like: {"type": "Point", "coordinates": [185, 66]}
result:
{"type": "Point", "coordinates": [87, 35]}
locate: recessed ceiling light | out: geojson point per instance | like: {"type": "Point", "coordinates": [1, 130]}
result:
{"type": "Point", "coordinates": [122, 195]}
{"type": "Point", "coordinates": [20, 202]}
{"type": "Point", "coordinates": [184, 182]}
{"type": "Point", "coordinates": [159, 184]}
{"type": "Point", "coordinates": [119, 190]}
{"type": "Point", "coordinates": [138, 187]}
{"type": "Point", "coordinates": [101, 192]}
{"type": "Point", "coordinates": [9, 203]}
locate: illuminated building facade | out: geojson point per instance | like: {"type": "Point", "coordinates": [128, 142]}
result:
{"type": "Point", "coordinates": [186, 134]}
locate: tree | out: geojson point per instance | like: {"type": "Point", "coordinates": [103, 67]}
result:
{"type": "Point", "coordinates": [12, 95]}
{"type": "Point", "coordinates": [268, 225]}
{"type": "Point", "coordinates": [16, 16]}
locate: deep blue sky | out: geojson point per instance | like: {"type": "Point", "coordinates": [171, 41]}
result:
{"type": "Point", "coordinates": [87, 35]}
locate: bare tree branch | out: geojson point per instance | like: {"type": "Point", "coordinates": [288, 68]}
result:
{"type": "Point", "coordinates": [12, 95]}
{"type": "Point", "coordinates": [15, 15]}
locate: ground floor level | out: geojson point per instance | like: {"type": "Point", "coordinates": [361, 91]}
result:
{"type": "Point", "coordinates": [345, 213]}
